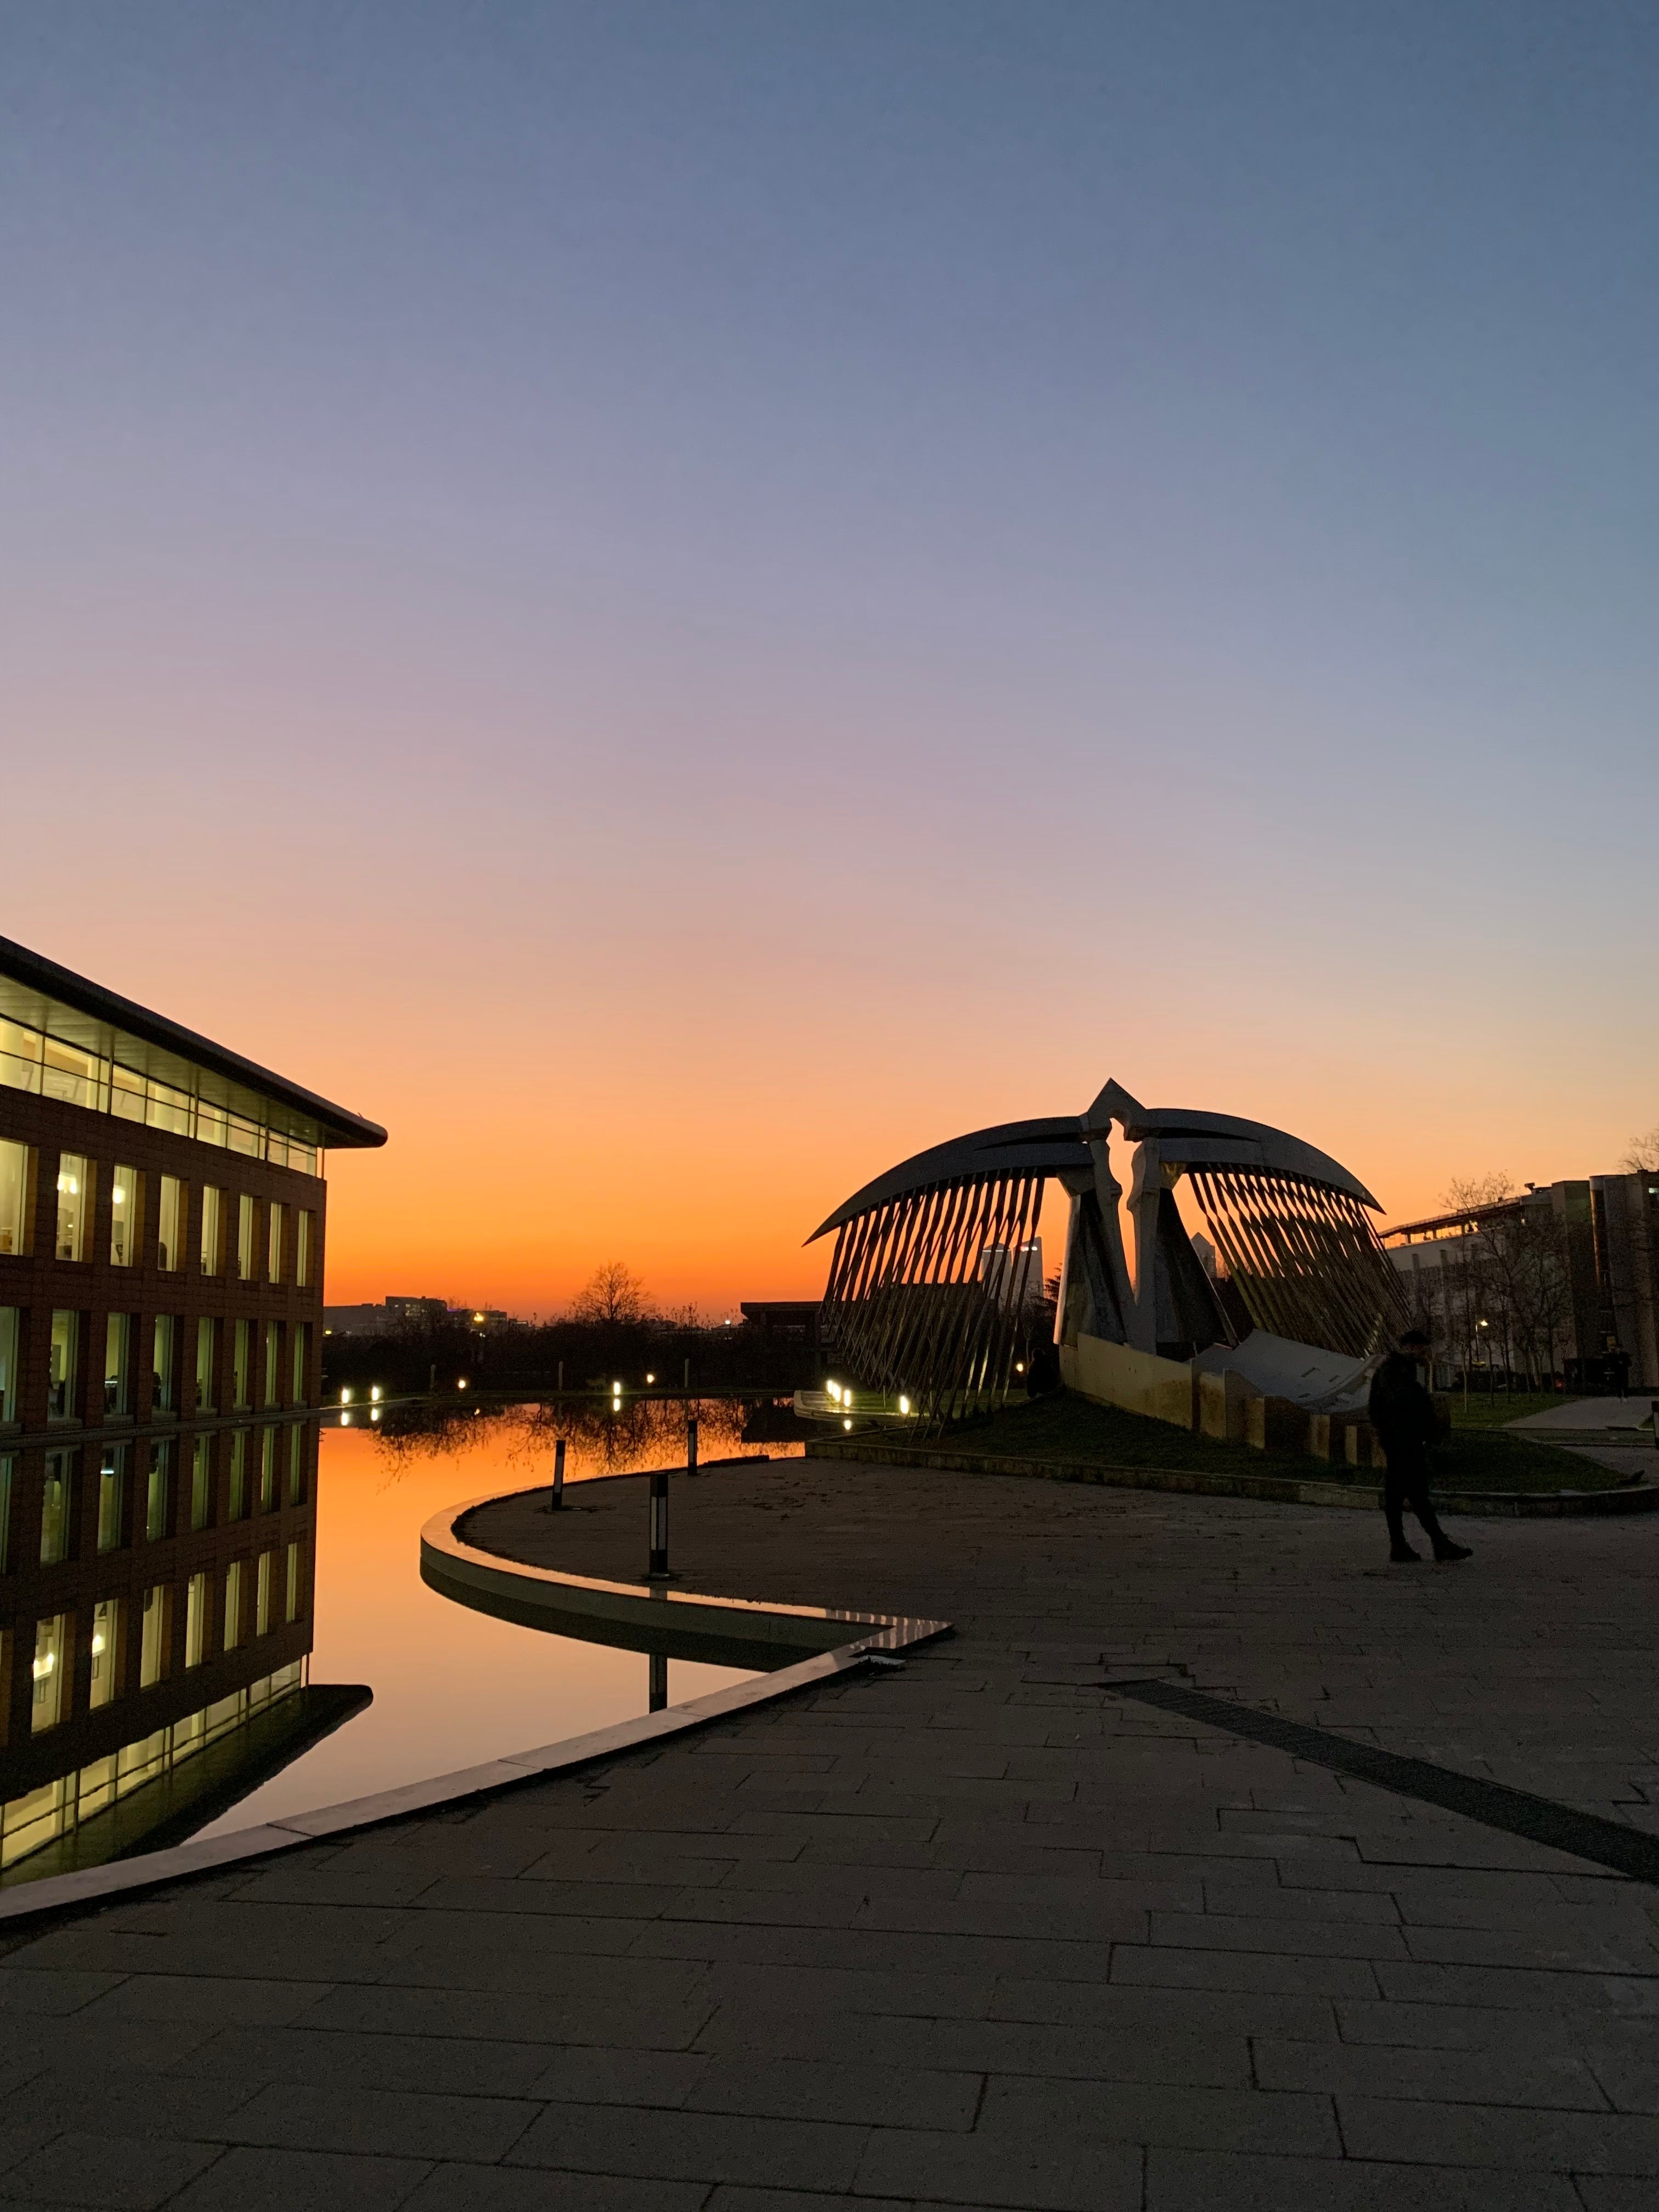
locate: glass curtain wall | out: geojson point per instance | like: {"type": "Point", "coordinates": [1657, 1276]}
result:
{"type": "Point", "coordinates": [74, 1205]}
{"type": "Point", "coordinates": [126, 1200]}
{"type": "Point", "coordinates": [14, 1196]}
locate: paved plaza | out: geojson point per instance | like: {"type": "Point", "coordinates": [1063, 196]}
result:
{"type": "Point", "coordinates": [978, 1933]}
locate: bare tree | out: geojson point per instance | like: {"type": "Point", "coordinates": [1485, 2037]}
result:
{"type": "Point", "coordinates": [613, 1296]}
{"type": "Point", "coordinates": [1467, 1194]}
{"type": "Point", "coordinates": [1643, 1157]}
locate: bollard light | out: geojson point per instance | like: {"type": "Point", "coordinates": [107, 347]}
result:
{"type": "Point", "coordinates": [904, 1405]}
{"type": "Point", "coordinates": [374, 1394]}
{"type": "Point", "coordinates": [846, 1425]}
{"type": "Point", "coordinates": [345, 1397]}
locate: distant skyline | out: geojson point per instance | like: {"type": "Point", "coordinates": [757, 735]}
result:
{"type": "Point", "coordinates": [678, 601]}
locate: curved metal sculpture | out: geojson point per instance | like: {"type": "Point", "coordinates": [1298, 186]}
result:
{"type": "Point", "coordinates": [930, 1292]}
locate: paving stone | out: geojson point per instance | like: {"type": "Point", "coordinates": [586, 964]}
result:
{"type": "Point", "coordinates": [128, 2173]}
{"type": "Point", "coordinates": [392, 2123]}
{"type": "Point", "coordinates": [1147, 2113]}
{"type": "Point", "coordinates": [694, 2147]}
{"type": "Point", "coordinates": [1069, 2176]}
{"type": "Point", "coordinates": [639, 2022]}
{"type": "Point", "coordinates": [459, 2065]}
{"type": "Point", "coordinates": [27, 1987]}
{"type": "Point", "coordinates": [1180, 2180]}
{"type": "Point", "coordinates": [320, 2181]}
{"type": "Point", "coordinates": [588, 2076]}
{"type": "Point", "coordinates": [211, 1998]}
{"type": "Point", "coordinates": [1485, 2134]}
{"type": "Point", "coordinates": [1501, 2076]}
{"type": "Point", "coordinates": [463, 2188]}
{"type": "Point", "coordinates": [861, 2095]}
{"type": "Point", "coordinates": [1288, 1972]}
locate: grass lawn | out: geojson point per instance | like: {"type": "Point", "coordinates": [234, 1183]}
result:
{"type": "Point", "coordinates": [1065, 1427]}
{"type": "Point", "coordinates": [1492, 1410]}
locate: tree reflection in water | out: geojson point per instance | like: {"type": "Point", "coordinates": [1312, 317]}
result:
{"type": "Point", "coordinates": [602, 1436]}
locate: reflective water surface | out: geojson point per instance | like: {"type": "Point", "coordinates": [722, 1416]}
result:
{"type": "Point", "coordinates": [382, 1681]}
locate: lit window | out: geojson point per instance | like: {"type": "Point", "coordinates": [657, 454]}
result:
{"type": "Point", "coordinates": [274, 1244]}
{"type": "Point", "coordinates": [51, 1697]}
{"type": "Point", "coordinates": [106, 1651]}
{"type": "Point", "coordinates": [125, 1197]}
{"type": "Point", "coordinates": [163, 1389]}
{"type": "Point", "coordinates": [207, 1347]}
{"type": "Point", "coordinates": [14, 1197]}
{"type": "Point", "coordinates": [9, 1332]}
{"type": "Point", "coordinates": [196, 1606]}
{"type": "Point", "coordinates": [267, 1470]}
{"type": "Point", "coordinates": [244, 1239]}
{"type": "Point", "coordinates": [155, 1635]}
{"type": "Point", "coordinates": [238, 1501]}
{"type": "Point", "coordinates": [57, 1507]}
{"type": "Point", "coordinates": [300, 1333]}
{"type": "Point", "coordinates": [158, 1493]}
{"type": "Point", "coordinates": [118, 1364]}
{"type": "Point", "coordinates": [63, 1366]}
{"type": "Point", "coordinates": [170, 1225]}
{"type": "Point", "coordinates": [306, 1230]}
{"type": "Point", "coordinates": [113, 1498]}
{"type": "Point", "coordinates": [74, 1076]}
{"type": "Point", "coordinates": [296, 1463]}
{"type": "Point", "coordinates": [213, 1250]}
{"type": "Point", "coordinates": [262, 1595]}
{"type": "Point", "coordinates": [20, 1056]}
{"type": "Point", "coordinates": [232, 1605]}
{"type": "Point", "coordinates": [273, 1363]}
{"type": "Point", "coordinates": [241, 1365]}
{"type": "Point", "coordinates": [292, 1611]}
{"type": "Point", "coordinates": [6, 1467]}
{"type": "Point", "coordinates": [73, 1205]}
{"type": "Point", "coordinates": [201, 1484]}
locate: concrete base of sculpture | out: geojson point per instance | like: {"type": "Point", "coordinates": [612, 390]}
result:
{"type": "Point", "coordinates": [1219, 1403]}
{"type": "Point", "coordinates": [1138, 1382]}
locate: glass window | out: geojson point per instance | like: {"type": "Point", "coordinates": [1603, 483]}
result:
{"type": "Point", "coordinates": [300, 1333]}
{"type": "Point", "coordinates": [170, 1225]}
{"type": "Point", "coordinates": [232, 1605]}
{"type": "Point", "coordinates": [126, 1097]}
{"type": "Point", "coordinates": [113, 1498]}
{"type": "Point", "coordinates": [106, 1649]}
{"type": "Point", "coordinates": [118, 1331]}
{"type": "Point", "coordinates": [57, 1507]}
{"type": "Point", "coordinates": [267, 1469]}
{"type": "Point", "coordinates": [273, 1363]}
{"type": "Point", "coordinates": [20, 1056]}
{"type": "Point", "coordinates": [196, 1608]}
{"type": "Point", "coordinates": [241, 1365]}
{"type": "Point", "coordinates": [262, 1596]}
{"type": "Point", "coordinates": [6, 1467]}
{"type": "Point", "coordinates": [213, 1249]}
{"type": "Point", "coordinates": [237, 1503]}
{"type": "Point", "coordinates": [246, 1137]}
{"type": "Point", "coordinates": [158, 1497]}
{"type": "Point", "coordinates": [212, 1123]}
{"type": "Point", "coordinates": [50, 1696]}
{"type": "Point", "coordinates": [296, 1463]}
{"type": "Point", "coordinates": [274, 1242]}
{"type": "Point", "coordinates": [154, 1635]}
{"type": "Point", "coordinates": [306, 1226]}
{"type": "Point", "coordinates": [244, 1239]}
{"type": "Point", "coordinates": [125, 1205]}
{"type": "Point", "coordinates": [164, 1384]}
{"type": "Point", "coordinates": [167, 1109]}
{"type": "Point", "coordinates": [10, 1331]}
{"type": "Point", "coordinates": [63, 1373]}
{"type": "Point", "coordinates": [74, 1076]}
{"type": "Point", "coordinates": [74, 1205]}
{"type": "Point", "coordinates": [14, 1197]}
{"type": "Point", "coordinates": [207, 1345]}
{"type": "Point", "coordinates": [293, 1612]}
{"type": "Point", "coordinates": [201, 1484]}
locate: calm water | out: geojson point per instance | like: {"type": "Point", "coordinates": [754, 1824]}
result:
{"type": "Point", "coordinates": [397, 1683]}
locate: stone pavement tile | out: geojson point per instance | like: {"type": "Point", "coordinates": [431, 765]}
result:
{"type": "Point", "coordinates": [393, 2123]}
{"type": "Point", "coordinates": [127, 2102]}
{"type": "Point", "coordinates": [1302, 2017]}
{"type": "Point", "coordinates": [1614, 2192]}
{"type": "Point", "coordinates": [1379, 2022]}
{"type": "Point", "coordinates": [450, 1963]}
{"type": "Point", "coordinates": [733, 2197]}
{"type": "Point", "coordinates": [626, 2021]}
{"type": "Point", "coordinates": [126, 2173]}
{"type": "Point", "coordinates": [1287, 1970]}
{"type": "Point", "coordinates": [862, 2095]}
{"type": "Point", "coordinates": [1156, 2112]}
{"type": "Point", "coordinates": [241, 1947]}
{"type": "Point", "coordinates": [585, 2076]}
{"type": "Point", "coordinates": [1103, 1919]}
{"type": "Point", "coordinates": [209, 1997]}
{"type": "Point", "coordinates": [26, 1987]}
{"type": "Point", "coordinates": [863, 1949]}
{"type": "Point", "coordinates": [1485, 2134]}
{"type": "Point", "coordinates": [1258, 1900]}
{"type": "Point", "coordinates": [320, 2181]}
{"type": "Point", "coordinates": [434, 1929]}
{"type": "Point", "coordinates": [1069, 2175]}
{"type": "Point", "coordinates": [1630, 2076]}
{"type": "Point", "coordinates": [1091, 2054]}
{"type": "Point", "coordinates": [332, 1884]}
{"type": "Point", "coordinates": [1308, 1937]}
{"type": "Point", "coordinates": [830, 1989]}
{"type": "Point", "coordinates": [92, 2041]}
{"type": "Point", "coordinates": [798, 1906]}
{"type": "Point", "coordinates": [869, 2038]}
{"type": "Point", "coordinates": [1183, 2180]}
{"type": "Point", "coordinates": [604, 1903]}
{"type": "Point", "coordinates": [1558, 1943]}
{"type": "Point", "coordinates": [1517, 1988]}
{"type": "Point", "coordinates": [783, 1877]}
{"type": "Point", "coordinates": [462, 2188]}
{"type": "Point", "coordinates": [1150, 1888]}
{"type": "Point", "coordinates": [694, 2147]}
{"type": "Point", "coordinates": [463, 2066]}
{"type": "Point", "coordinates": [1503, 2075]}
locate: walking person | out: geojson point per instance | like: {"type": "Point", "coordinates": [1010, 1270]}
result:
{"type": "Point", "coordinates": [1402, 1414]}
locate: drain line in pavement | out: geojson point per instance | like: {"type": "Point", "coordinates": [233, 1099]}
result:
{"type": "Point", "coordinates": [1517, 1812]}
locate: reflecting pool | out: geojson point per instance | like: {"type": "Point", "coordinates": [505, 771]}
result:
{"type": "Point", "coordinates": [265, 1644]}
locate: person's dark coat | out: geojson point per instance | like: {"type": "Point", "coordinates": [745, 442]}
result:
{"type": "Point", "coordinates": [1401, 1410]}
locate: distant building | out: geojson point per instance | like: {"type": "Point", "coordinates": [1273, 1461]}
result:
{"type": "Point", "coordinates": [162, 1246]}
{"type": "Point", "coordinates": [792, 1321]}
{"type": "Point", "coordinates": [1006, 1269]}
{"type": "Point", "coordinates": [1599, 1236]}
{"type": "Point", "coordinates": [407, 1313]}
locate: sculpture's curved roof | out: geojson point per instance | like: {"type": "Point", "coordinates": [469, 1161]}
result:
{"type": "Point", "coordinates": [1185, 1137]}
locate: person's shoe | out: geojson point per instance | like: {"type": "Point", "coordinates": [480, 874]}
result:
{"type": "Point", "coordinates": [1403, 1556]}
{"type": "Point", "coordinates": [1449, 1551]}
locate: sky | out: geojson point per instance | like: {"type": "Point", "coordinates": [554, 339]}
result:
{"type": "Point", "coordinates": [676, 602]}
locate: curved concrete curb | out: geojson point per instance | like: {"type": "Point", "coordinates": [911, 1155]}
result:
{"type": "Point", "coordinates": [63, 1894]}
{"type": "Point", "coordinates": [1280, 1490]}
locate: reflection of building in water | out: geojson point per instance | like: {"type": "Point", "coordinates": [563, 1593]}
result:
{"type": "Point", "coordinates": [161, 1238]}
